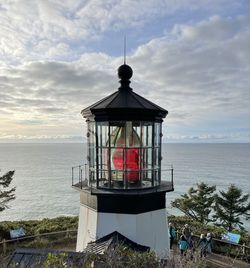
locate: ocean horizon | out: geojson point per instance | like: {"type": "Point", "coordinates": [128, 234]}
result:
{"type": "Point", "coordinates": [43, 174]}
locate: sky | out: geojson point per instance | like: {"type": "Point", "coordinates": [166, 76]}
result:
{"type": "Point", "coordinates": [190, 57]}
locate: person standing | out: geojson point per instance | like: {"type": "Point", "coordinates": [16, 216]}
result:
{"type": "Point", "coordinates": [172, 234]}
{"type": "Point", "coordinates": [187, 233]}
{"type": "Point", "coordinates": [191, 247]}
{"type": "Point", "coordinates": [203, 246]}
{"type": "Point", "coordinates": [183, 245]}
{"type": "Point", "coordinates": [209, 243]}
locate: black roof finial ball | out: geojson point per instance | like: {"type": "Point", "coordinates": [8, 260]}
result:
{"type": "Point", "coordinates": [125, 72]}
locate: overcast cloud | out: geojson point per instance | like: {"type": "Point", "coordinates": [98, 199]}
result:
{"type": "Point", "coordinates": [57, 57]}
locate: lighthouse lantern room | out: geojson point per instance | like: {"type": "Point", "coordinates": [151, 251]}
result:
{"type": "Point", "coordinates": [121, 187]}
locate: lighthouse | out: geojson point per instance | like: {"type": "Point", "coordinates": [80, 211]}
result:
{"type": "Point", "coordinates": [122, 187]}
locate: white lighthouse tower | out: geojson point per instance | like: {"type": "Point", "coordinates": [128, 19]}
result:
{"type": "Point", "coordinates": [124, 190]}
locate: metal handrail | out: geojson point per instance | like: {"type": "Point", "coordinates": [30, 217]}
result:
{"type": "Point", "coordinates": [83, 176]}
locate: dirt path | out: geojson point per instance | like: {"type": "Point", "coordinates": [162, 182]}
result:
{"type": "Point", "coordinates": [194, 260]}
{"type": "Point", "coordinates": [224, 261]}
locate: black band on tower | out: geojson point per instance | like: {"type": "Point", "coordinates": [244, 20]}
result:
{"type": "Point", "coordinates": [124, 204]}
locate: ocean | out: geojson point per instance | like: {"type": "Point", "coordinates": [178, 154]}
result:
{"type": "Point", "coordinates": [43, 174]}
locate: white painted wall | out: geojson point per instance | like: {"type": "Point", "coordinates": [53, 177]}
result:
{"type": "Point", "coordinates": [148, 229]}
{"type": "Point", "coordinates": [86, 227]}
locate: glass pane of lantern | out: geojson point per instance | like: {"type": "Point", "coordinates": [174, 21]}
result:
{"type": "Point", "coordinates": [105, 158]}
{"type": "Point", "coordinates": [132, 165]}
{"type": "Point", "coordinates": [92, 177]}
{"type": "Point", "coordinates": [156, 157]}
{"type": "Point", "coordinates": [103, 178]}
{"type": "Point", "coordinates": [147, 134]}
{"type": "Point", "coordinates": [91, 144]}
{"type": "Point", "coordinates": [117, 164]}
{"type": "Point", "coordinates": [117, 134]}
{"type": "Point", "coordinates": [117, 179]}
{"type": "Point", "coordinates": [146, 166]}
{"type": "Point", "coordinates": [157, 131]}
{"type": "Point", "coordinates": [148, 158]}
{"type": "Point", "coordinates": [142, 158]}
{"type": "Point", "coordinates": [147, 181]}
{"type": "Point", "coordinates": [91, 133]}
{"type": "Point", "coordinates": [91, 157]}
{"type": "Point", "coordinates": [102, 159]}
{"type": "Point", "coordinates": [104, 134]}
{"type": "Point", "coordinates": [99, 159]}
{"type": "Point", "coordinates": [133, 134]}
{"type": "Point", "coordinates": [156, 177]}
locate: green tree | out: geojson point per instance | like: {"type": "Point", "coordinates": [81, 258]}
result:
{"type": "Point", "coordinates": [230, 206]}
{"type": "Point", "coordinates": [6, 193]}
{"type": "Point", "coordinates": [197, 203]}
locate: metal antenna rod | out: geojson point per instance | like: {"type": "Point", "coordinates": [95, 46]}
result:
{"type": "Point", "coordinates": [125, 49]}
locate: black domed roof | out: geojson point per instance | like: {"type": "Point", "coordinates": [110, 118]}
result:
{"type": "Point", "coordinates": [125, 104]}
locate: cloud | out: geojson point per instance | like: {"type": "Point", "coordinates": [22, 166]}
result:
{"type": "Point", "coordinates": [39, 30]}
{"type": "Point", "coordinates": [41, 138]}
{"type": "Point", "coordinates": [208, 138]}
{"type": "Point", "coordinates": [214, 29]}
{"type": "Point", "coordinates": [199, 78]}
{"type": "Point", "coordinates": [44, 97]}
{"type": "Point", "coordinates": [197, 70]}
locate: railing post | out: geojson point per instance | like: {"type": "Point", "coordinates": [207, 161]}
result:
{"type": "Point", "coordinates": [85, 171]}
{"type": "Point", "coordinates": [81, 178]}
{"type": "Point", "coordinates": [244, 249]}
{"type": "Point", "coordinates": [172, 176]}
{"type": "Point", "coordinates": [79, 174]}
{"type": "Point", "coordinates": [67, 234]}
{"type": "Point", "coordinates": [4, 247]}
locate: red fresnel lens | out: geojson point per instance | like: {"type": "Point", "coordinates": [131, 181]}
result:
{"type": "Point", "coordinates": [130, 162]}
{"type": "Point", "coordinates": [127, 158]}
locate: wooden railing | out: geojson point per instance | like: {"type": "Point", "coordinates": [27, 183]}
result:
{"type": "Point", "coordinates": [237, 251]}
{"type": "Point", "coordinates": [6, 244]}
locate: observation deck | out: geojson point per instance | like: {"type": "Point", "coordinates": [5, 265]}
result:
{"type": "Point", "coordinates": [84, 181]}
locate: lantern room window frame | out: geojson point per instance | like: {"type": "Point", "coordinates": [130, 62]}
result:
{"type": "Point", "coordinates": [103, 174]}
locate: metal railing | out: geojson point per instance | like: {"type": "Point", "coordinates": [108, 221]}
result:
{"type": "Point", "coordinates": [80, 175]}
{"type": "Point", "coordinates": [83, 177]}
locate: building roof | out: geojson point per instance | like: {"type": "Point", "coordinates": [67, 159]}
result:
{"type": "Point", "coordinates": [33, 258]}
{"type": "Point", "coordinates": [109, 241]}
{"type": "Point", "coordinates": [124, 104]}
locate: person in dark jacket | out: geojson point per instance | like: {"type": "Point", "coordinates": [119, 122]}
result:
{"type": "Point", "coordinates": [172, 234]}
{"type": "Point", "coordinates": [191, 247]}
{"type": "Point", "coordinates": [209, 243]}
{"type": "Point", "coordinates": [203, 246]}
{"type": "Point", "coordinates": [187, 233]}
